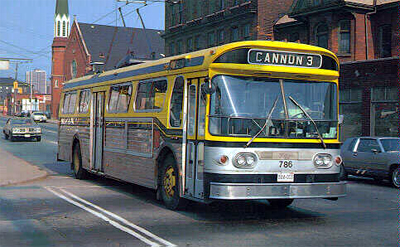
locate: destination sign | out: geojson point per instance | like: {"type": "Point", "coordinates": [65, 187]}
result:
{"type": "Point", "coordinates": [280, 58]}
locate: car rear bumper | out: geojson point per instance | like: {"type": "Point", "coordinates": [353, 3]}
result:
{"type": "Point", "coordinates": [235, 191]}
{"type": "Point", "coordinates": [26, 135]}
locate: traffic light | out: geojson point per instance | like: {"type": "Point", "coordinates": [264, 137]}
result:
{"type": "Point", "coordinates": [15, 84]}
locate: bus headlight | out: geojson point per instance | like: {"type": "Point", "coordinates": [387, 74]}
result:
{"type": "Point", "coordinates": [245, 160]}
{"type": "Point", "coordinates": [322, 160]}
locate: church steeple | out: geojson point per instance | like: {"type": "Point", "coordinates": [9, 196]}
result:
{"type": "Point", "coordinates": [61, 19]}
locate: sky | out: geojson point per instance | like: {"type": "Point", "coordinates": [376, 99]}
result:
{"type": "Point", "coordinates": [27, 26]}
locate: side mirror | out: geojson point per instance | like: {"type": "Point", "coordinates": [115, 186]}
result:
{"type": "Point", "coordinates": [341, 118]}
{"type": "Point", "coordinates": [209, 86]}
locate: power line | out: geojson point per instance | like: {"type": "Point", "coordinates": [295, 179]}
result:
{"type": "Point", "coordinates": [15, 46]}
{"type": "Point", "coordinates": [132, 12]}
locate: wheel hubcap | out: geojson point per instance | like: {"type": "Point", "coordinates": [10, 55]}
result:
{"type": "Point", "coordinates": [169, 182]}
{"type": "Point", "coordinates": [396, 177]}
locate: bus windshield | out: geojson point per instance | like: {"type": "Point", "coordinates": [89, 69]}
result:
{"type": "Point", "coordinates": [240, 105]}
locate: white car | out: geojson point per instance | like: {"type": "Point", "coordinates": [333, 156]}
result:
{"type": "Point", "coordinates": [39, 117]}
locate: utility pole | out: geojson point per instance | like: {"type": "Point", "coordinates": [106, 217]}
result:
{"type": "Point", "coordinates": [15, 88]}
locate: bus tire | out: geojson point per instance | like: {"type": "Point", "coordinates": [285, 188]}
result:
{"type": "Point", "coordinates": [280, 203]}
{"type": "Point", "coordinates": [79, 172]}
{"type": "Point", "coordinates": [170, 185]}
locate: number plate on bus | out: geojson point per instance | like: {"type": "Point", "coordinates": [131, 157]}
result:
{"type": "Point", "coordinates": [285, 177]}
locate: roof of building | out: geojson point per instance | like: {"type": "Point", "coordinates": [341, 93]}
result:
{"type": "Point", "coordinates": [8, 81]}
{"type": "Point", "coordinates": [62, 7]}
{"type": "Point", "coordinates": [110, 44]}
{"type": "Point", "coordinates": [305, 6]}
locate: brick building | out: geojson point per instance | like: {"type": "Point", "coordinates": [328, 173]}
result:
{"type": "Point", "coordinates": [194, 25]}
{"type": "Point", "coordinates": [88, 48]}
{"type": "Point", "coordinates": [365, 36]}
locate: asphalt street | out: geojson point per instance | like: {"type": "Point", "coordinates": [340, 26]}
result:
{"type": "Point", "coordinates": [62, 211]}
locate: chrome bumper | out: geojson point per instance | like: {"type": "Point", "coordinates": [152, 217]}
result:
{"type": "Point", "coordinates": [233, 191]}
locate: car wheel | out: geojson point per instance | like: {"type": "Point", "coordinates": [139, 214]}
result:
{"type": "Point", "coordinates": [39, 138]}
{"type": "Point", "coordinates": [396, 177]}
{"type": "Point", "coordinates": [170, 185]}
{"type": "Point", "coordinates": [79, 172]}
{"type": "Point", "coordinates": [280, 203]}
{"type": "Point", "coordinates": [343, 173]}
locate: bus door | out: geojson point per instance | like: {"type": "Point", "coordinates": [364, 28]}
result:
{"type": "Point", "coordinates": [194, 139]}
{"type": "Point", "coordinates": [97, 130]}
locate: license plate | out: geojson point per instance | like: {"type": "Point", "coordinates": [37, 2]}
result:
{"type": "Point", "coordinates": [285, 177]}
{"type": "Point", "coordinates": [27, 135]}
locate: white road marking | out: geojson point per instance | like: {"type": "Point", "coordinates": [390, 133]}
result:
{"type": "Point", "coordinates": [112, 222]}
{"type": "Point", "coordinates": [52, 142]}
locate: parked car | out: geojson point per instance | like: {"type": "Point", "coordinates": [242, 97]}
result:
{"type": "Point", "coordinates": [376, 157]}
{"type": "Point", "coordinates": [39, 116]}
{"type": "Point", "coordinates": [22, 128]}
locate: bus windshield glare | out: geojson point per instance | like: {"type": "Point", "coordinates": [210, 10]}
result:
{"type": "Point", "coordinates": [240, 105]}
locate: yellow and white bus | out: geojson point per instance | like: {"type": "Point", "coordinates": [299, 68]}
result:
{"type": "Point", "coordinates": [246, 120]}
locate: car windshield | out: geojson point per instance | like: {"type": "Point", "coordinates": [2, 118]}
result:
{"type": "Point", "coordinates": [391, 144]}
{"type": "Point", "coordinates": [240, 106]}
{"type": "Point", "coordinates": [21, 121]}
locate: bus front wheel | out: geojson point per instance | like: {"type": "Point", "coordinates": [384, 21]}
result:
{"type": "Point", "coordinates": [79, 172]}
{"type": "Point", "coordinates": [170, 185]}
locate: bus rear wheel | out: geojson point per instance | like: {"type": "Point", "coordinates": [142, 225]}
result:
{"type": "Point", "coordinates": [280, 203]}
{"type": "Point", "coordinates": [170, 185]}
{"type": "Point", "coordinates": [79, 172]}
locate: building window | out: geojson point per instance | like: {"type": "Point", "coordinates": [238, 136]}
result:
{"type": "Point", "coordinates": [189, 44]}
{"type": "Point", "coordinates": [384, 111]}
{"type": "Point", "coordinates": [322, 35]}
{"type": "Point", "coordinates": [181, 20]}
{"type": "Point", "coordinates": [344, 37]}
{"type": "Point", "coordinates": [246, 31]}
{"type": "Point", "coordinates": [294, 37]}
{"type": "Point", "coordinates": [58, 28]}
{"type": "Point", "coordinates": [73, 68]}
{"type": "Point", "coordinates": [385, 41]}
{"type": "Point", "coordinates": [197, 42]}
{"type": "Point", "coordinates": [171, 49]}
{"type": "Point", "coordinates": [221, 36]}
{"type": "Point", "coordinates": [179, 47]}
{"type": "Point", "coordinates": [63, 29]}
{"type": "Point", "coordinates": [56, 83]}
{"type": "Point", "coordinates": [351, 108]}
{"type": "Point", "coordinates": [221, 4]}
{"type": "Point", "coordinates": [234, 34]}
{"type": "Point", "coordinates": [210, 39]}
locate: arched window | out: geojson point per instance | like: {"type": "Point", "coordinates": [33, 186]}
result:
{"type": "Point", "coordinates": [63, 29]}
{"type": "Point", "coordinates": [73, 68]}
{"type": "Point", "coordinates": [321, 35]}
{"type": "Point", "coordinates": [67, 28]}
{"type": "Point", "coordinates": [58, 28]}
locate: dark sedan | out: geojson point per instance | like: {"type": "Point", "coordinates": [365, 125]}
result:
{"type": "Point", "coordinates": [376, 157]}
{"type": "Point", "coordinates": [22, 128]}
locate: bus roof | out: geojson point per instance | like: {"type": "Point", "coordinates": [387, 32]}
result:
{"type": "Point", "coordinates": [198, 60]}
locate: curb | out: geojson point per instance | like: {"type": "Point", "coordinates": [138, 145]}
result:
{"type": "Point", "coordinates": [13, 169]}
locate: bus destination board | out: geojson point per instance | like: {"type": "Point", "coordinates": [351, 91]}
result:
{"type": "Point", "coordinates": [281, 58]}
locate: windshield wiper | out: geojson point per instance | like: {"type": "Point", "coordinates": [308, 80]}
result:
{"type": "Point", "coordinates": [265, 125]}
{"type": "Point", "coordinates": [312, 120]}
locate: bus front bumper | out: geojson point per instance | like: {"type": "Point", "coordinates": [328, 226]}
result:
{"type": "Point", "coordinates": [240, 191]}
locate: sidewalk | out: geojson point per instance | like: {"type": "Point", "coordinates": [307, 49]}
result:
{"type": "Point", "coordinates": [14, 170]}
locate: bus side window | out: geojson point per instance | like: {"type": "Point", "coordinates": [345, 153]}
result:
{"type": "Point", "coordinates": [151, 95]}
{"type": "Point", "coordinates": [175, 117]}
{"type": "Point", "coordinates": [202, 111]}
{"type": "Point", "coordinates": [84, 100]}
